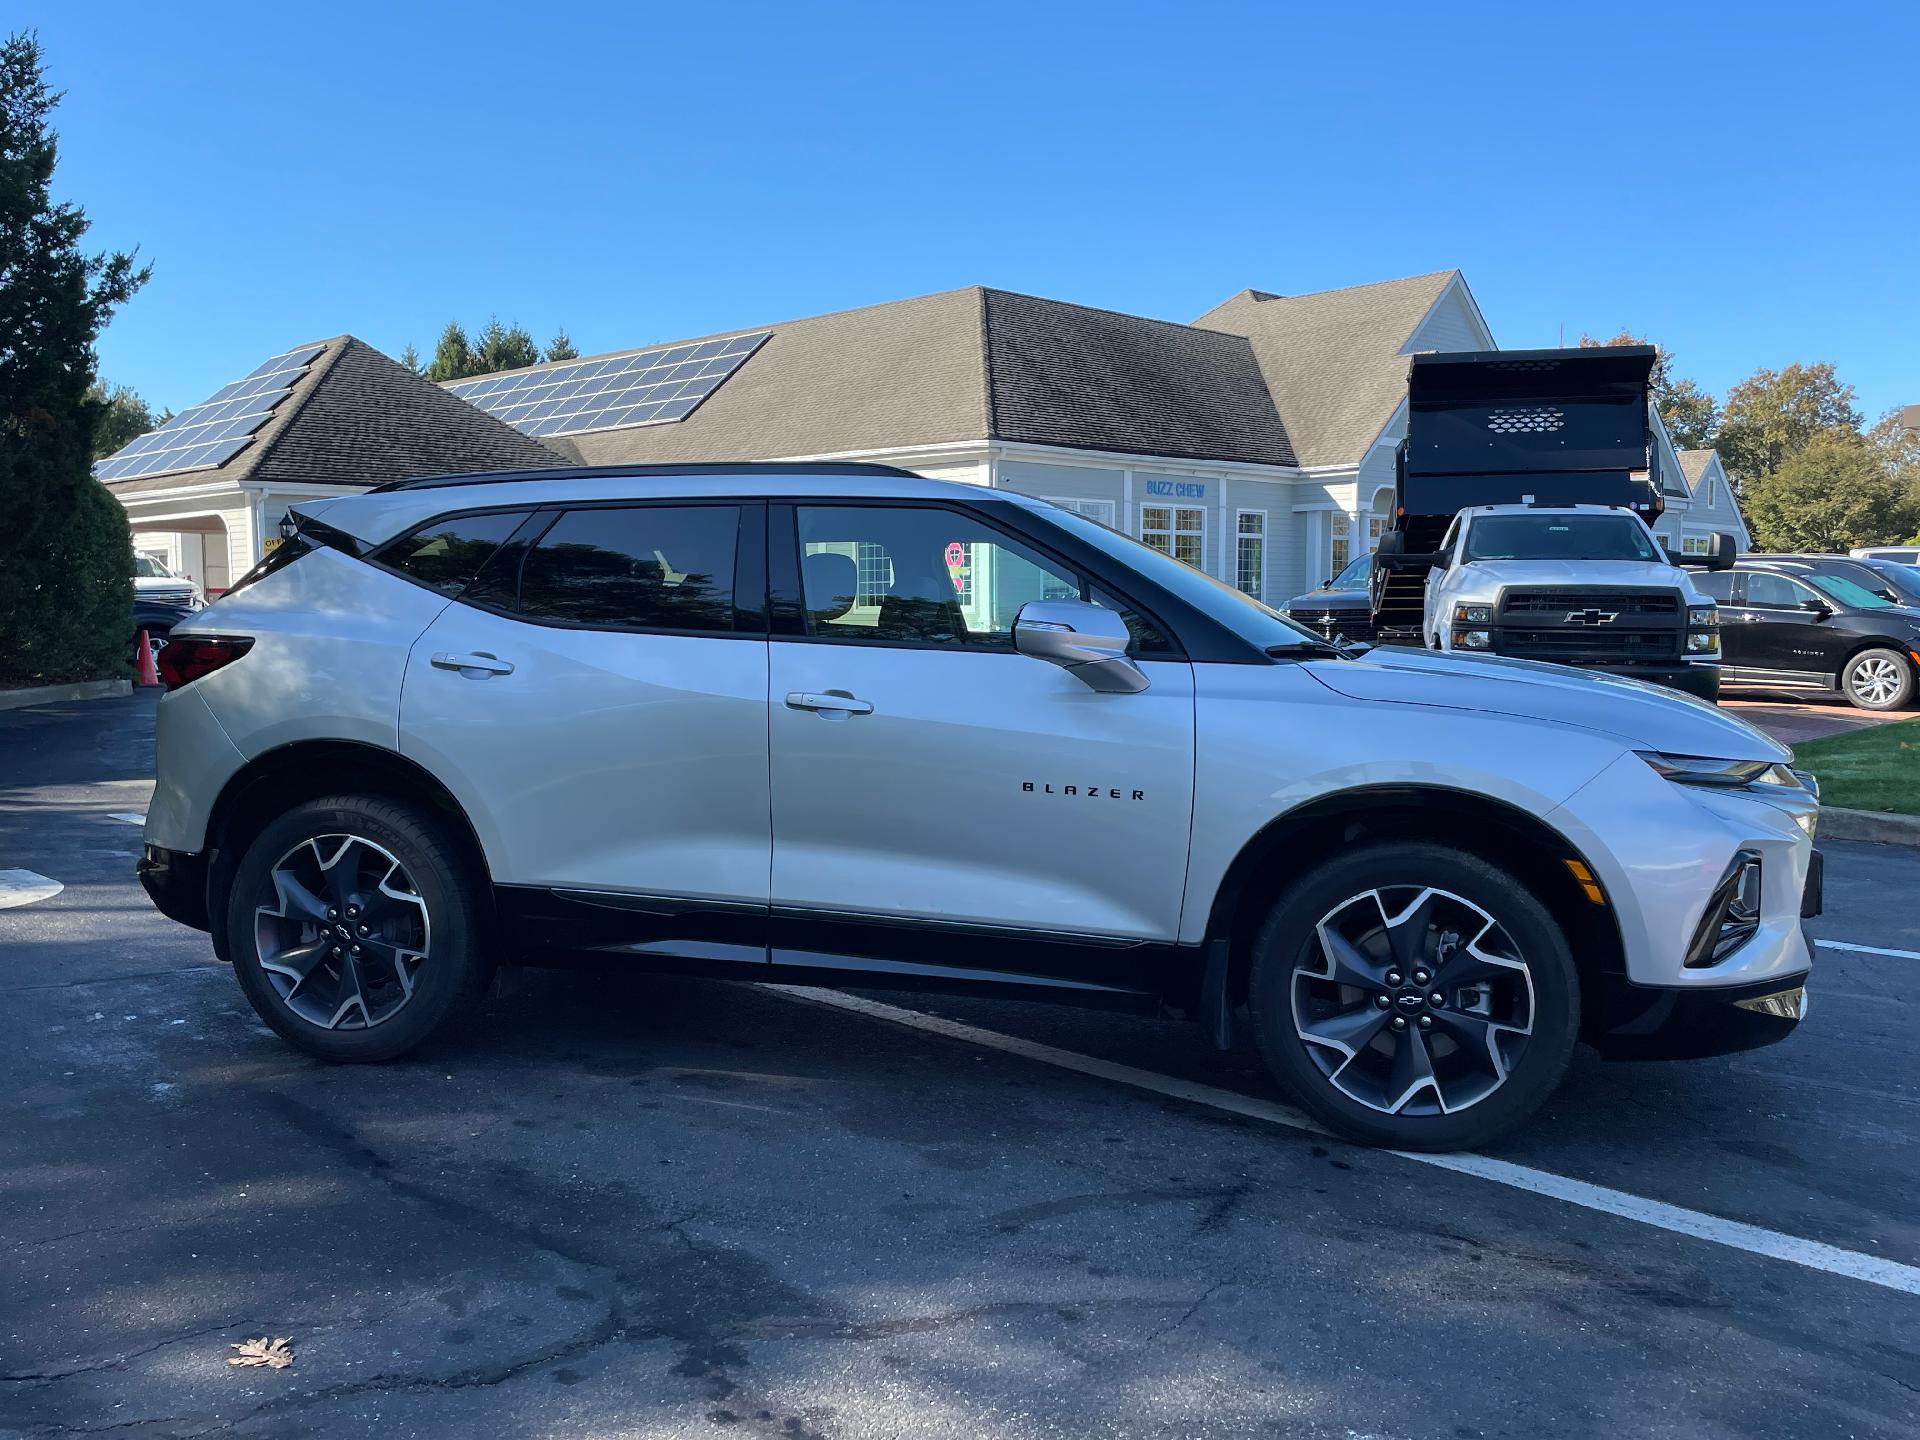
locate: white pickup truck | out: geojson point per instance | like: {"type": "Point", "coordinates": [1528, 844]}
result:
{"type": "Point", "coordinates": [1585, 585]}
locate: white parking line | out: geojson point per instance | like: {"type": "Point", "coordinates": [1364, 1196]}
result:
{"type": "Point", "coordinates": [1734, 1234]}
{"type": "Point", "coordinates": [24, 887]}
{"type": "Point", "coordinates": [1868, 949]}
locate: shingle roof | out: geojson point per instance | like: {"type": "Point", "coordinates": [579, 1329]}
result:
{"type": "Point", "coordinates": [1693, 464]}
{"type": "Point", "coordinates": [1334, 360]}
{"type": "Point", "coordinates": [359, 418]}
{"type": "Point", "coordinates": [972, 364]}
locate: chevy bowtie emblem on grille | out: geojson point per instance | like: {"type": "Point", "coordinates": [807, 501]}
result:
{"type": "Point", "coordinates": [1592, 617]}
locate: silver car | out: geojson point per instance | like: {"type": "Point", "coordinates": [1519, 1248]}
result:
{"type": "Point", "coordinates": [840, 725]}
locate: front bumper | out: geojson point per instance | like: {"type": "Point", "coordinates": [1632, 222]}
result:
{"type": "Point", "coordinates": [176, 882]}
{"type": "Point", "coordinates": [1639, 1022]}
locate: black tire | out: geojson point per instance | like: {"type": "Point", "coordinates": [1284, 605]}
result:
{"type": "Point", "coordinates": [1290, 946]}
{"type": "Point", "coordinates": [437, 882]}
{"type": "Point", "coordinates": [1878, 679]}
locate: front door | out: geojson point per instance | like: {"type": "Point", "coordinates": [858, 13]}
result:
{"type": "Point", "coordinates": [1785, 634]}
{"type": "Point", "coordinates": [596, 700]}
{"type": "Point", "coordinates": [939, 798]}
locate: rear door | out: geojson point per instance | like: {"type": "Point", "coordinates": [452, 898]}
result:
{"type": "Point", "coordinates": [939, 798]}
{"type": "Point", "coordinates": [596, 699]}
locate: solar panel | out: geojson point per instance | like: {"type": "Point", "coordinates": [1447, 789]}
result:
{"type": "Point", "coordinates": [651, 387]}
{"type": "Point", "coordinates": [217, 429]}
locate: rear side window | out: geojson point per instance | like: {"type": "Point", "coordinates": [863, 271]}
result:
{"type": "Point", "coordinates": [446, 554]}
{"type": "Point", "coordinates": [648, 567]}
{"type": "Point", "coordinates": [1717, 586]}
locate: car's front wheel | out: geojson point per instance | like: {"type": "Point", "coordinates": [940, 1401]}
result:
{"type": "Point", "coordinates": [1415, 996]}
{"type": "Point", "coordinates": [1878, 679]}
{"type": "Point", "coordinates": [352, 925]}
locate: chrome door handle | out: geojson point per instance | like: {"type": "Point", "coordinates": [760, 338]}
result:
{"type": "Point", "coordinates": [830, 702]}
{"type": "Point", "coordinates": [479, 660]}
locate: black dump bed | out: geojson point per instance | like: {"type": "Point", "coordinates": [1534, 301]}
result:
{"type": "Point", "coordinates": [1561, 426]}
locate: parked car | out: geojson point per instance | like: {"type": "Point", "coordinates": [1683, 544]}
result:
{"type": "Point", "coordinates": [1904, 554]}
{"type": "Point", "coordinates": [158, 617]}
{"type": "Point", "coordinates": [1341, 609]}
{"type": "Point", "coordinates": [841, 725]}
{"type": "Point", "coordinates": [1817, 623]}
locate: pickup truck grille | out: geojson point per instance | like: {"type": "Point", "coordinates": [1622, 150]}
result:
{"type": "Point", "coordinates": [1355, 623]}
{"type": "Point", "coordinates": [1591, 627]}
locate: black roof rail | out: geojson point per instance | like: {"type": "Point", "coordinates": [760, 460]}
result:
{"type": "Point", "coordinates": [588, 472]}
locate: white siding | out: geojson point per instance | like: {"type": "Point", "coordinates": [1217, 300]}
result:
{"type": "Point", "coordinates": [1452, 326]}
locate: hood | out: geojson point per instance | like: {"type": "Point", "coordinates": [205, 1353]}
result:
{"type": "Point", "coordinates": [1646, 716]}
{"type": "Point", "coordinates": [1578, 574]}
{"type": "Point", "coordinates": [1332, 600]}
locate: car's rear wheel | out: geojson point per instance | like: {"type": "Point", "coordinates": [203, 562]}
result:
{"type": "Point", "coordinates": [353, 928]}
{"type": "Point", "coordinates": [1415, 996]}
{"type": "Point", "coordinates": [1878, 679]}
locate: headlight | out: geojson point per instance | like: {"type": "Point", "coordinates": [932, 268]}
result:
{"type": "Point", "coordinates": [1703, 642]}
{"type": "Point", "coordinates": [1472, 639]}
{"type": "Point", "coordinates": [1473, 614]}
{"type": "Point", "coordinates": [1704, 615]}
{"type": "Point", "coordinates": [1705, 770]}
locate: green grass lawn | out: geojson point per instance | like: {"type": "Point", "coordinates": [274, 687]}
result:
{"type": "Point", "coordinates": [1873, 768]}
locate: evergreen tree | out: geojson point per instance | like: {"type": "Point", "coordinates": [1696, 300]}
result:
{"type": "Point", "coordinates": [410, 358]}
{"type": "Point", "coordinates": [561, 347]}
{"type": "Point", "coordinates": [453, 357]}
{"type": "Point", "coordinates": [124, 416]}
{"type": "Point", "coordinates": [504, 347]}
{"type": "Point", "coordinates": [66, 561]}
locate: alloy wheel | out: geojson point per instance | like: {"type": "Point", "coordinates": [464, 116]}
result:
{"type": "Point", "coordinates": [1876, 680]}
{"type": "Point", "coordinates": [346, 934]}
{"type": "Point", "coordinates": [1413, 1001]}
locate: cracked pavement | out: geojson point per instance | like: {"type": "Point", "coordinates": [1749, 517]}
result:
{"type": "Point", "coordinates": [660, 1207]}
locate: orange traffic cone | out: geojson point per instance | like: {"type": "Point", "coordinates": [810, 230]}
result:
{"type": "Point", "coordinates": [143, 666]}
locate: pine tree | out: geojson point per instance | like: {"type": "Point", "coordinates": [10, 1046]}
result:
{"type": "Point", "coordinates": [453, 357]}
{"type": "Point", "coordinates": [410, 358]}
{"type": "Point", "coordinates": [504, 347]}
{"type": "Point", "coordinates": [561, 347]}
{"type": "Point", "coordinates": [66, 561]}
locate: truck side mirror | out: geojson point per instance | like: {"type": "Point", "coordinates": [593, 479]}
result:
{"type": "Point", "coordinates": [1088, 641]}
{"type": "Point", "coordinates": [1722, 548]}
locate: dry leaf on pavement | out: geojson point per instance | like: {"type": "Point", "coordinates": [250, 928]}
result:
{"type": "Point", "coordinates": [274, 1354]}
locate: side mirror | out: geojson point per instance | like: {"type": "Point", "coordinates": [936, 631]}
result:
{"type": "Point", "coordinates": [1088, 641]}
{"type": "Point", "coordinates": [1819, 609]}
{"type": "Point", "coordinates": [1722, 548]}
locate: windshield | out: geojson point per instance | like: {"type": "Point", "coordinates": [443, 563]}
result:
{"type": "Point", "coordinates": [1903, 580]}
{"type": "Point", "coordinates": [1559, 537]}
{"type": "Point", "coordinates": [1235, 609]}
{"type": "Point", "coordinates": [149, 568]}
{"type": "Point", "coordinates": [1848, 593]}
{"type": "Point", "coordinates": [1355, 576]}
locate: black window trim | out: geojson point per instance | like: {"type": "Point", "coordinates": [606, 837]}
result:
{"type": "Point", "coordinates": [749, 543]}
{"type": "Point", "coordinates": [787, 605]}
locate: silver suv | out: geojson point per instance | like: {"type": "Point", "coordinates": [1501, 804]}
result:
{"type": "Point", "coordinates": [840, 725]}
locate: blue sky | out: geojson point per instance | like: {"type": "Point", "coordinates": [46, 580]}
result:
{"type": "Point", "coordinates": [1735, 181]}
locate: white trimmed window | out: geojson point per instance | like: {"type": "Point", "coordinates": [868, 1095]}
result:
{"type": "Point", "coordinates": [1179, 530]}
{"type": "Point", "coordinates": [1100, 510]}
{"type": "Point", "coordinates": [1250, 556]}
{"type": "Point", "coordinates": [1342, 540]}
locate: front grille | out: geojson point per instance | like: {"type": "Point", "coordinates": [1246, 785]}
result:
{"type": "Point", "coordinates": [1353, 624]}
{"type": "Point", "coordinates": [1591, 627]}
{"type": "Point", "coordinates": [1620, 602]}
{"type": "Point", "coordinates": [169, 596]}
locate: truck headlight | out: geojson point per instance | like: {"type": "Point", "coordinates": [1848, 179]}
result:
{"type": "Point", "coordinates": [1703, 642]}
{"type": "Point", "coordinates": [1473, 639]}
{"type": "Point", "coordinates": [1473, 614]}
{"type": "Point", "coordinates": [1703, 616]}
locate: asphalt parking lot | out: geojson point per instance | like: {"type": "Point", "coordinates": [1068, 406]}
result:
{"type": "Point", "coordinates": [660, 1207]}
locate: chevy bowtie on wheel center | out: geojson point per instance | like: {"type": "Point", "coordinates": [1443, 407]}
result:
{"type": "Point", "coordinates": [840, 725]}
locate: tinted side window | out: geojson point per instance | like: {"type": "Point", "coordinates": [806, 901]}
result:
{"type": "Point", "coordinates": [1775, 591]}
{"type": "Point", "coordinates": [647, 567]}
{"type": "Point", "coordinates": [1717, 585]}
{"type": "Point", "coordinates": [446, 554]}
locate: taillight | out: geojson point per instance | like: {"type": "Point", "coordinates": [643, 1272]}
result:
{"type": "Point", "coordinates": [185, 658]}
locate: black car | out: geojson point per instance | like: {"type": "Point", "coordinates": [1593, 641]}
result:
{"type": "Point", "coordinates": [158, 617]}
{"type": "Point", "coordinates": [1819, 623]}
{"type": "Point", "coordinates": [1897, 581]}
{"type": "Point", "coordinates": [1340, 609]}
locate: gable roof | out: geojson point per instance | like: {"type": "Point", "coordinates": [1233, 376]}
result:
{"type": "Point", "coordinates": [1694, 463]}
{"type": "Point", "coordinates": [968, 365]}
{"type": "Point", "coordinates": [359, 418]}
{"type": "Point", "coordinates": [1335, 361]}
